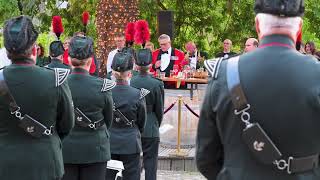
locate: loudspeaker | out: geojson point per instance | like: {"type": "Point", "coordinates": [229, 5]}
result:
{"type": "Point", "coordinates": [165, 23]}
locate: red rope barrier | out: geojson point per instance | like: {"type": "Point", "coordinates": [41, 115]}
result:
{"type": "Point", "coordinates": [170, 107]}
{"type": "Point", "coordinates": [188, 107]}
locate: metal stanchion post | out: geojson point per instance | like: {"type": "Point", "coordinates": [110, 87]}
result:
{"type": "Point", "coordinates": [179, 152]}
{"type": "Point", "coordinates": [179, 123]}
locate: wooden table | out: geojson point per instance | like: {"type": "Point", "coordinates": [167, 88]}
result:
{"type": "Point", "coordinates": [191, 81]}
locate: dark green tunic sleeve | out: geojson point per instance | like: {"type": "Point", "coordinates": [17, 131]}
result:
{"type": "Point", "coordinates": [65, 118]}
{"type": "Point", "coordinates": [142, 114]}
{"type": "Point", "coordinates": [108, 109]}
{"type": "Point", "coordinates": [209, 150]}
{"type": "Point", "coordinates": [159, 105]}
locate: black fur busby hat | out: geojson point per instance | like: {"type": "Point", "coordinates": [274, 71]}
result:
{"type": "Point", "coordinates": [19, 34]}
{"type": "Point", "coordinates": [122, 62]}
{"type": "Point", "coordinates": [285, 8]}
{"type": "Point", "coordinates": [56, 49]}
{"type": "Point", "coordinates": [81, 47]}
{"type": "Point", "coordinates": [143, 57]}
{"type": "Point", "coordinates": [130, 51]}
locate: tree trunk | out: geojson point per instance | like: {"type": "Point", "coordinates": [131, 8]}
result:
{"type": "Point", "coordinates": [112, 18]}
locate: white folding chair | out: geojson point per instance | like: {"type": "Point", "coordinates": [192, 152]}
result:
{"type": "Point", "coordinates": [117, 166]}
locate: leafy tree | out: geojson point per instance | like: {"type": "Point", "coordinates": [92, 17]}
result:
{"type": "Point", "coordinates": [206, 22]}
{"type": "Point", "coordinates": [43, 11]}
{"type": "Point", "coordinates": [209, 22]}
{"type": "Point", "coordinates": [8, 8]}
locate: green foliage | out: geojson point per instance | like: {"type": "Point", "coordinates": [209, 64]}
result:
{"type": "Point", "coordinates": [1, 42]}
{"type": "Point", "coordinates": [206, 22]}
{"type": "Point", "coordinates": [43, 12]}
{"type": "Point", "coordinates": [45, 39]}
{"type": "Point", "coordinates": [311, 32]}
{"type": "Point", "coordinates": [209, 22]}
{"type": "Point", "coordinates": [8, 9]}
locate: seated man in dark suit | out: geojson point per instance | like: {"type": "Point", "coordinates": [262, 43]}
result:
{"type": "Point", "coordinates": [227, 44]}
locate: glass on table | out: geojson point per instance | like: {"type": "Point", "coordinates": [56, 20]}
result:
{"type": "Point", "coordinates": [193, 72]}
{"type": "Point", "coordinates": [171, 73]}
{"type": "Point", "coordinates": [162, 75]}
{"type": "Point", "coordinates": [158, 73]}
{"type": "Point", "coordinates": [176, 69]}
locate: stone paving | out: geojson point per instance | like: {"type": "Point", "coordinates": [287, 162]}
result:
{"type": "Point", "coordinates": [177, 175]}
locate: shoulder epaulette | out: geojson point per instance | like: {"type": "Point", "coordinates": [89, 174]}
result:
{"type": "Point", "coordinates": [144, 92]}
{"type": "Point", "coordinates": [61, 75]}
{"type": "Point", "coordinates": [107, 85]}
{"type": "Point", "coordinates": [47, 67]}
{"type": "Point", "coordinates": [212, 65]}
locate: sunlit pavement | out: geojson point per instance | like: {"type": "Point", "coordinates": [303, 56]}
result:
{"type": "Point", "coordinates": [177, 175]}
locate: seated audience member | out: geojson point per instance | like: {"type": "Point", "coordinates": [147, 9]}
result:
{"type": "Point", "coordinates": [227, 45]}
{"type": "Point", "coordinates": [194, 56]}
{"type": "Point", "coordinates": [251, 44]}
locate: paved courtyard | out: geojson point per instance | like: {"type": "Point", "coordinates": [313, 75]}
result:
{"type": "Point", "coordinates": [177, 175]}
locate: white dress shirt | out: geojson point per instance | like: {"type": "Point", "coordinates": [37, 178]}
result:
{"type": "Point", "coordinates": [110, 59]}
{"type": "Point", "coordinates": [194, 60]}
{"type": "Point", "coordinates": [165, 60]}
{"type": "Point", "coordinates": [4, 60]}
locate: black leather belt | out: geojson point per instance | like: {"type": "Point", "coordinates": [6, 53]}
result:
{"type": "Point", "coordinates": [121, 125]}
{"type": "Point", "coordinates": [83, 121]}
{"type": "Point", "coordinates": [92, 125]}
{"type": "Point", "coordinates": [96, 124]}
{"type": "Point", "coordinates": [298, 165]}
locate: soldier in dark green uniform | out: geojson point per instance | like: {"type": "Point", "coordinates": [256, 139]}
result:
{"type": "Point", "coordinates": [56, 53]}
{"type": "Point", "coordinates": [270, 92]}
{"type": "Point", "coordinates": [87, 149]}
{"type": "Point", "coordinates": [31, 131]}
{"type": "Point", "coordinates": [154, 100]}
{"type": "Point", "coordinates": [129, 119]}
{"type": "Point", "coordinates": [131, 51]}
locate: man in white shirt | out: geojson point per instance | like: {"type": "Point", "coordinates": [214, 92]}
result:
{"type": "Point", "coordinates": [120, 43]}
{"type": "Point", "coordinates": [167, 58]}
{"type": "Point", "coordinates": [194, 56]}
{"type": "Point", "coordinates": [4, 60]}
{"type": "Point", "coordinates": [226, 53]}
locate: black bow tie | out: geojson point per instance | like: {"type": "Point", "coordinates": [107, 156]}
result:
{"type": "Point", "coordinates": [165, 52]}
{"type": "Point", "coordinates": [191, 56]}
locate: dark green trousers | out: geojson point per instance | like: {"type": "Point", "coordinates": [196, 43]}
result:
{"type": "Point", "coordinates": [94, 171]}
{"type": "Point", "coordinates": [150, 147]}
